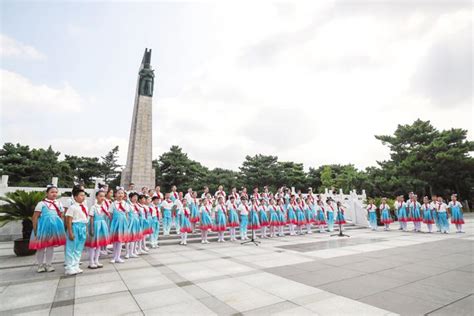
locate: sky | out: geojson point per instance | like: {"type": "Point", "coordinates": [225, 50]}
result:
{"type": "Point", "coordinates": [307, 81]}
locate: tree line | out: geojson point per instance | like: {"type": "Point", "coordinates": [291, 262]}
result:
{"type": "Point", "coordinates": [422, 159]}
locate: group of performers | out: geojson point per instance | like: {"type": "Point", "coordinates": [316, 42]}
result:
{"type": "Point", "coordinates": [130, 220]}
{"type": "Point", "coordinates": [429, 212]}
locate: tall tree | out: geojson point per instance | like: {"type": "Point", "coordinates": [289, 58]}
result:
{"type": "Point", "coordinates": [259, 170]}
{"type": "Point", "coordinates": [84, 169]}
{"type": "Point", "coordinates": [175, 168]}
{"type": "Point", "coordinates": [110, 165]}
{"type": "Point", "coordinates": [430, 161]}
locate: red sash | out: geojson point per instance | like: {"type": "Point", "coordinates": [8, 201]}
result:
{"type": "Point", "coordinates": [58, 211]}
{"type": "Point", "coordinates": [106, 212]}
{"type": "Point", "coordinates": [224, 209]}
{"type": "Point", "coordinates": [83, 208]}
{"type": "Point", "coordinates": [120, 207]}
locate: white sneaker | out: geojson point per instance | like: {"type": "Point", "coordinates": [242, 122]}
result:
{"type": "Point", "coordinates": [207, 242]}
{"type": "Point", "coordinates": [203, 242]}
{"type": "Point", "coordinates": [146, 249]}
{"type": "Point", "coordinates": [70, 272]}
{"type": "Point", "coordinates": [120, 260]}
{"type": "Point", "coordinates": [133, 255]}
{"type": "Point", "coordinates": [78, 271]}
{"type": "Point", "coordinates": [112, 261]}
{"type": "Point", "coordinates": [41, 268]}
{"type": "Point", "coordinates": [127, 256]}
{"type": "Point", "coordinates": [49, 268]}
{"type": "Point", "coordinates": [184, 243]}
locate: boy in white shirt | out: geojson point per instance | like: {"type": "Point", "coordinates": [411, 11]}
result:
{"type": "Point", "coordinates": [77, 216]}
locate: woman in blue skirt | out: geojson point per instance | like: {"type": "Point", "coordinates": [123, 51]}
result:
{"type": "Point", "coordinates": [385, 217]}
{"type": "Point", "coordinates": [400, 207]}
{"type": "Point", "coordinates": [48, 229]}
{"type": "Point", "coordinates": [457, 217]}
{"type": "Point", "coordinates": [310, 213]}
{"type": "Point", "coordinates": [415, 213]}
{"type": "Point", "coordinates": [274, 220]}
{"type": "Point", "coordinates": [134, 228]}
{"type": "Point", "coordinates": [119, 225]}
{"type": "Point", "coordinates": [300, 217]}
{"type": "Point", "coordinates": [340, 218]}
{"type": "Point", "coordinates": [205, 219]}
{"type": "Point", "coordinates": [221, 219]}
{"type": "Point", "coordinates": [194, 206]}
{"type": "Point", "coordinates": [254, 221]}
{"type": "Point", "coordinates": [233, 217]}
{"type": "Point", "coordinates": [372, 214]}
{"type": "Point", "coordinates": [185, 226]}
{"type": "Point", "coordinates": [99, 235]}
{"type": "Point", "coordinates": [264, 222]}
{"type": "Point", "coordinates": [145, 224]}
{"type": "Point", "coordinates": [291, 212]}
{"type": "Point", "coordinates": [427, 214]}
{"type": "Point", "coordinates": [320, 216]}
{"type": "Point", "coordinates": [281, 217]}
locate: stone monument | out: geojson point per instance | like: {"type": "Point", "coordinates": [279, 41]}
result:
{"type": "Point", "coordinates": [139, 168]}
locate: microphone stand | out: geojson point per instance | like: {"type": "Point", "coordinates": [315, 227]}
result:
{"type": "Point", "coordinates": [252, 240]}
{"type": "Point", "coordinates": [340, 234]}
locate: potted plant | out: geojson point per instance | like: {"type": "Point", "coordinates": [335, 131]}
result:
{"type": "Point", "coordinates": [16, 206]}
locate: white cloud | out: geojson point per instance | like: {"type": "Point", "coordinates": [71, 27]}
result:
{"type": "Point", "coordinates": [19, 94]}
{"type": "Point", "coordinates": [10, 47]}
{"type": "Point", "coordinates": [309, 84]}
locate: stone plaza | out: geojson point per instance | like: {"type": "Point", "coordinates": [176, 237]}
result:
{"type": "Point", "coordinates": [370, 273]}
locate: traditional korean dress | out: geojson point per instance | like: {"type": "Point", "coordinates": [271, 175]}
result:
{"type": "Point", "coordinates": [145, 225]}
{"type": "Point", "coordinates": [401, 212]}
{"type": "Point", "coordinates": [291, 211]}
{"type": "Point", "coordinates": [101, 236]}
{"type": "Point", "coordinates": [254, 221]}
{"type": "Point", "coordinates": [310, 213]}
{"type": "Point", "coordinates": [385, 217]}
{"type": "Point", "coordinates": [50, 229]}
{"type": "Point", "coordinates": [372, 215]}
{"type": "Point", "coordinates": [340, 219]}
{"type": "Point", "coordinates": [415, 214]}
{"type": "Point", "coordinates": [321, 217]}
{"type": "Point", "coordinates": [206, 221]}
{"type": "Point", "coordinates": [134, 227]}
{"type": "Point", "coordinates": [427, 214]}
{"type": "Point", "coordinates": [456, 212]}
{"type": "Point", "coordinates": [274, 218]}
{"type": "Point", "coordinates": [185, 226]}
{"type": "Point", "coordinates": [221, 221]}
{"type": "Point", "coordinates": [233, 216]}
{"type": "Point", "coordinates": [194, 217]}
{"type": "Point", "coordinates": [281, 216]}
{"type": "Point", "coordinates": [300, 218]}
{"type": "Point", "coordinates": [263, 216]}
{"type": "Point", "coordinates": [119, 225]}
